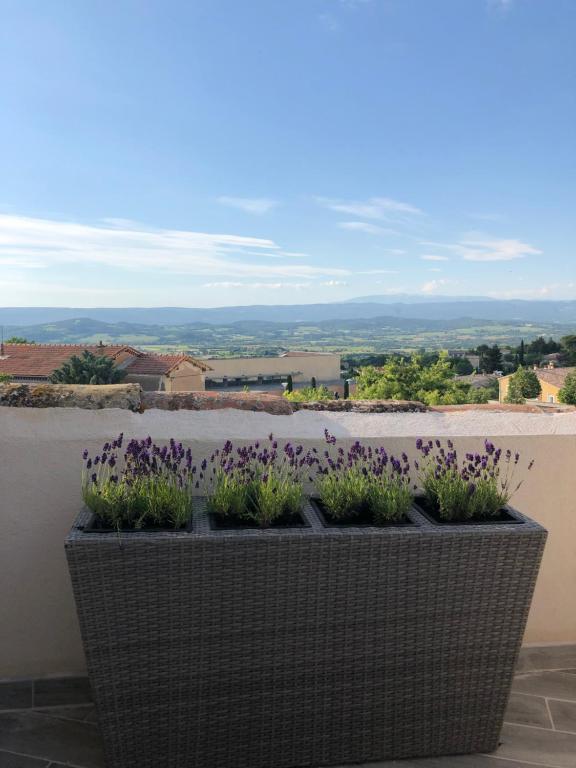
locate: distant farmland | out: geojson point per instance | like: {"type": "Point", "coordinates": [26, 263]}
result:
{"type": "Point", "coordinates": [381, 334]}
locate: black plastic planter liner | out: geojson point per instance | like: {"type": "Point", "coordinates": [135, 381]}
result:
{"type": "Point", "coordinates": [506, 516]}
{"type": "Point", "coordinates": [363, 520]}
{"type": "Point", "coordinates": [303, 646]}
{"type": "Point", "coordinates": [226, 523]}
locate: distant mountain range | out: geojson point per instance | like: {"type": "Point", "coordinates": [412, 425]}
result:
{"type": "Point", "coordinates": [410, 307]}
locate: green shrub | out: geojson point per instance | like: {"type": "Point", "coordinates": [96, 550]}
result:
{"type": "Point", "coordinates": [309, 394]}
{"type": "Point", "coordinates": [568, 392]}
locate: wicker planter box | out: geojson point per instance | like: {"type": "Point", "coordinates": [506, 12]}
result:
{"type": "Point", "coordinates": [303, 647]}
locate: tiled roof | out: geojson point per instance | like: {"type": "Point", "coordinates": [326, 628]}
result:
{"type": "Point", "coordinates": [43, 359]}
{"type": "Point", "coordinates": [554, 376]}
{"type": "Point", "coordinates": [162, 364]}
{"type": "Point", "coordinates": [28, 360]}
{"type": "Point", "coordinates": [304, 354]}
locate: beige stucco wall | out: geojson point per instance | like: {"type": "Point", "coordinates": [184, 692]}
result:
{"type": "Point", "coordinates": [547, 390]}
{"type": "Point", "coordinates": [325, 367]}
{"type": "Point", "coordinates": [40, 460]}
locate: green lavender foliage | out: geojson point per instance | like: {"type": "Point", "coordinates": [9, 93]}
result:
{"type": "Point", "coordinates": [257, 484]}
{"type": "Point", "coordinates": [146, 485]}
{"type": "Point", "coordinates": [364, 479]}
{"type": "Point", "coordinates": [474, 486]}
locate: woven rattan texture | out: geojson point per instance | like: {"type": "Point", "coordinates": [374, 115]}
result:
{"type": "Point", "coordinates": [272, 649]}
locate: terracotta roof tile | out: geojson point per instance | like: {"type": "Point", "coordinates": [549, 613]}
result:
{"type": "Point", "coordinates": [554, 376]}
{"type": "Point", "coordinates": [42, 359]}
{"type": "Point", "coordinates": [163, 364]}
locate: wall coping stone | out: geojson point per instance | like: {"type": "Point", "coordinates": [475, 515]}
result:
{"type": "Point", "coordinates": [133, 398]}
{"type": "Point", "coordinates": [87, 396]}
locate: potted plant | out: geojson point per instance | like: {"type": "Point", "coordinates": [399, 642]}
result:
{"type": "Point", "coordinates": [474, 489]}
{"type": "Point", "coordinates": [150, 489]}
{"type": "Point", "coordinates": [363, 486]}
{"type": "Point", "coordinates": [255, 486]}
{"type": "Point", "coordinates": [251, 639]}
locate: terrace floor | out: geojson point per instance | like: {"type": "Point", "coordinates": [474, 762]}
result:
{"type": "Point", "coordinates": [38, 731]}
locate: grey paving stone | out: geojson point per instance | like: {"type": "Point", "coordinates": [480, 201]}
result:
{"type": "Point", "coordinates": [80, 712]}
{"type": "Point", "coordinates": [555, 685]}
{"type": "Point", "coordinates": [564, 715]}
{"type": "Point", "coordinates": [547, 657]}
{"type": "Point", "coordinates": [536, 745]}
{"type": "Point", "coordinates": [61, 741]}
{"type": "Point", "coordinates": [527, 710]}
{"type": "Point", "coordinates": [15, 694]}
{"type": "Point", "coordinates": [62, 690]}
{"type": "Point", "coordinates": [10, 760]}
{"type": "Point", "coordinates": [451, 761]}
{"type": "Point", "coordinates": [92, 717]}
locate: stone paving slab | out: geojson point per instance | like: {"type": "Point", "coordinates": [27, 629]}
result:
{"type": "Point", "coordinates": [554, 685]}
{"type": "Point", "coordinates": [564, 715]}
{"type": "Point", "coordinates": [537, 745]}
{"type": "Point", "coordinates": [65, 741]}
{"type": "Point", "coordinates": [528, 710]}
{"type": "Point", "coordinates": [10, 760]}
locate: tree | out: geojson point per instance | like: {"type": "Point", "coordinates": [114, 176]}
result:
{"type": "Point", "coordinates": [569, 347]}
{"type": "Point", "coordinates": [4, 378]}
{"type": "Point", "coordinates": [18, 340]}
{"type": "Point", "coordinates": [88, 369]}
{"type": "Point", "coordinates": [289, 383]}
{"type": "Point", "coordinates": [462, 366]}
{"type": "Point", "coordinates": [346, 389]}
{"type": "Point", "coordinates": [568, 392]}
{"type": "Point", "coordinates": [313, 382]}
{"type": "Point", "coordinates": [491, 358]}
{"type": "Point", "coordinates": [521, 353]}
{"type": "Point", "coordinates": [403, 379]}
{"type": "Point", "coordinates": [522, 385]}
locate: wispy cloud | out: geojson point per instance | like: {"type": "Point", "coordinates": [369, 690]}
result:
{"type": "Point", "coordinates": [334, 283]}
{"type": "Point", "coordinates": [478, 247]}
{"type": "Point", "coordinates": [254, 205]}
{"type": "Point", "coordinates": [433, 257]}
{"type": "Point", "coordinates": [496, 250]}
{"type": "Point", "coordinates": [365, 226]}
{"type": "Point", "coordinates": [28, 242]}
{"type": "Point", "coordinates": [226, 284]}
{"type": "Point", "coordinates": [380, 208]}
{"type": "Point", "coordinates": [435, 285]}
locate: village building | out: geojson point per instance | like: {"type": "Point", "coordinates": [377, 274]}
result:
{"type": "Point", "coordinates": [551, 382]}
{"type": "Point", "coordinates": [35, 363]}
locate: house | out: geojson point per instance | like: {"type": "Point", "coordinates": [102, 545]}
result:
{"type": "Point", "coordinates": [30, 363]}
{"type": "Point", "coordinates": [551, 380]}
{"type": "Point", "coordinates": [273, 370]}
{"type": "Point", "coordinates": [459, 354]}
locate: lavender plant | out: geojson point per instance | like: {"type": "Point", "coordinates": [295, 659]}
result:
{"type": "Point", "coordinates": [364, 480]}
{"type": "Point", "coordinates": [146, 485]}
{"type": "Point", "coordinates": [255, 483]}
{"type": "Point", "coordinates": [477, 486]}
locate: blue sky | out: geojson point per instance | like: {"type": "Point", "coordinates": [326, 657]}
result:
{"type": "Point", "coordinates": [213, 152]}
